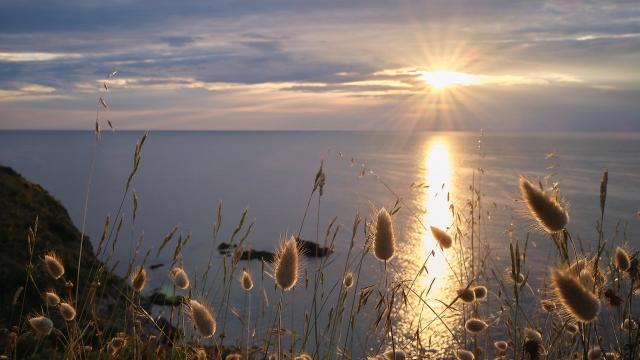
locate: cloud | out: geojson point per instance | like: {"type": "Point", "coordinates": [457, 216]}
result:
{"type": "Point", "coordinates": [35, 56]}
{"type": "Point", "coordinates": [290, 52]}
{"type": "Point", "coordinates": [179, 41]}
{"type": "Point", "coordinates": [29, 92]}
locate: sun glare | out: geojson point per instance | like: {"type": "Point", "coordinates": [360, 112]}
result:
{"type": "Point", "coordinates": [438, 177]}
{"type": "Point", "coordinates": [442, 79]}
{"type": "Point", "coordinates": [435, 282]}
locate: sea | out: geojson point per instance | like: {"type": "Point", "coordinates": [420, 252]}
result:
{"type": "Point", "coordinates": [451, 180]}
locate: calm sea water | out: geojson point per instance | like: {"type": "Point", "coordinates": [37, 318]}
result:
{"type": "Point", "coordinates": [184, 176]}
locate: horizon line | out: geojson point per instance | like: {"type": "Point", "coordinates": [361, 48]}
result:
{"type": "Point", "coordinates": [107, 131]}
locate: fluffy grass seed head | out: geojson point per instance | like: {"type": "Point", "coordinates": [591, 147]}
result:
{"type": "Point", "coordinates": [594, 354]}
{"type": "Point", "coordinates": [202, 318]}
{"type": "Point", "coordinates": [465, 355]}
{"type": "Point", "coordinates": [480, 292]}
{"type": "Point", "coordinates": [548, 306]}
{"type": "Point", "coordinates": [67, 311]}
{"type": "Point", "coordinates": [139, 279]}
{"type": "Point", "coordinates": [42, 325]}
{"type": "Point", "coordinates": [53, 265]}
{"type": "Point", "coordinates": [586, 279]}
{"type": "Point", "coordinates": [51, 298]}
{"type": "Point", "coordinates": [179, 277]}
{"type": "Point", "coordinates": [474, 326]}
{"type": "Point", "coordinates": [442, 237]}
{"type": "Point", "coordinates": [533, 345]}
{"type": "Point", "coordinates": [579, 303]}
{"type": "Point", "coordinates": [200, 354]}
{"type": "Point", "coordinates": [245, 280]}
{"type": "Point", "coordinates": [384, 240]}
{"type": "Point", "coordinates": [612, 355]}
{"type": "Point", "coordinates": [579, 264]}
{"type": "Point", "coordinates": [287, 264]}
{"type": "Point", "coordinates": [548, 212]}
{"type": "Point", "coordinates": [629, 325]}
{"type": "Point", "coordinates": [117, 343]}
{"type": "Point", "coordinates": [397, 355]}
{"type": "Point", "coordinates": [347, 281]}
{"type": "Point", "coordinates": [621, 259]}
{"type": "Point", "coordinates": [590, 277]}
{"type": "Point", "coordinates": [572, 328]}
{"type": "Point", "coordinates": [533, 349]}
{"type": "Point", "coordinates": [509, 277]}
{"type": "Point", "coordinates": [467, 295]}
{"type": "Point", "coordinates": [501, 345]}
{"type": "Point", "coordinates": [533, 334]}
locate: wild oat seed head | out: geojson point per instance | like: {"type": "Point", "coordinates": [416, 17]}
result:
{"type": "Point", "coordinates": [546, 210]}
{"type": "Point", "coordinates": [465, 355]}
{"type": "Point", "coordinates": [474, 326]}
{"type": "Point", "coordinates": [53, 264]}
{"type": "Point", "coordinates": [139, 279]}
{"type": "Point", "coordinates": [180, 278]}
{"type": "Point", "coordinates": [621, 259]}
{"type": "Point", "coordinates": [501, 345]}
{"type": "Point", "coordinates": [245, 281]}
{"type": "Point", "coordinates": [595, 354]}
{"type": "Point", "coordinates": [480, 292]}
{"type": "Point", "coordinates": [348, 280]}
{"type": "Point", "coordinates": [202, 318]}
{"type": "Point", "coordinates": [51, 298]}
{"type": "Point", "coordinates": [287, 264]}
{"type": "Point", "coordinates": [398, 355]}
{"type": "Point", "coordinates": [41, 325]}
{"type": "Point", "coordinates": [579, 302]}
{"type": "Point", "coordinates": [467, 295]}
{"type": "Point", "coordinates": [233, 357]}
{"type": "Point", "coordinates": [444, 240]}
{"type": "Point", "coordinates": [384, 240]}
{"type": "Point", "coordinates": [67, 311]}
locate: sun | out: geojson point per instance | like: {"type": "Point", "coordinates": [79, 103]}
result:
{"type": "Point", "coordinates": [442, 79]}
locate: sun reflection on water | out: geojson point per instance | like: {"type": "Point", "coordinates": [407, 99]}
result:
{"type": "Point", "coordinates": [437, 282]}
{"type": "Point", "coordinates": [438, 175]}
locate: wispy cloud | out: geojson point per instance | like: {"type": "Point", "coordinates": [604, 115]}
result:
{"type": "Point", "coordinates": [36, 56]}
{"type": "Point", "coordinates": [28, 92]}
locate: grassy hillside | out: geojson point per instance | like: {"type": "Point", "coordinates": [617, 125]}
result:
{"type": "Point", "coordinates": [23, 203]}
{"type": "Point", "coordinates": [24, 206]}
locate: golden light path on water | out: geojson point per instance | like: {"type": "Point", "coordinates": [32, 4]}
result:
{"type": "Point", "coordinates": [437, 283]}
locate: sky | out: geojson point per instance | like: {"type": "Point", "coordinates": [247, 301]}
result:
{"type": "Point", "coordinates": [497, 65]}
